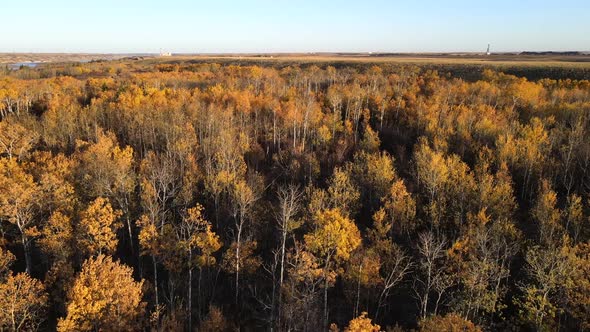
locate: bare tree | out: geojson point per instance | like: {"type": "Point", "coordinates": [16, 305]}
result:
{"type": "Point", "coordinates": [243, 195]}
{"type": "Point", "coordinates": [289, 206]}
{"type": "Point", "coordinates": [398, 266]}
{"type": "Point", "coordinates": [432, 277]}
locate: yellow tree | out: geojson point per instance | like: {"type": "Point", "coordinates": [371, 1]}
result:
{"type": "Point", "coordinates": [527, 152]}
{"type": "Point", "coordinates": [392, 263]}
{"type": "Point", "coordinates": [23, 303]}
{"type": "Point", "coordinates": [578, 285]}
{"type": "Point", "coordinates": [18, 201]}
{"type": "Point", "coordinates": [334, 238]}
{"type": "Point", "coordinates": [15, 140]}
{"type": "Point", "coordinates": [99, 224]}
{"type": "Point", "coordinates": [243, 196]}
{"type": "Point", "coordinates": [362, 272]}
{"type": "Point", "coordinates": [54, 174]}
{"type": "Point", "coordinates": [303, 283]}
{"type": "Point", "coordinates": [215, 321]}
{"type": "Point", "coordinates": [362, 323]}
{"type": "Point", "coordinates": [343, 194]}
{"type": "Point", "coordinates": [289, 205]}
{"type": "Point", "coordinates": [6, 260]}
{"type": "Point", "coordinates": [57, 242]}
{"type": "Point", "coordinates": [106, 170]}
{"type": "Point", "coordinates": [574, 217]}
{"type": "Point", "coordinates": [199, 242]}
{"type": "Point", "coordinates": [547, 215]}
{"type": "Point", "coordinates": [400, 208]}
{"type": "Point", "coordinates": [449, 323]}
{"type": "Point", "coordinates": [375, 173]}
{"type": "Point", "coordinates": [481, 259]}
{"type": "Point", "coordinates": [548, 268]}
{"type": "Point", "coordinates": [104, 297]}
{"type": "Point", "coordinates": [433, 173]}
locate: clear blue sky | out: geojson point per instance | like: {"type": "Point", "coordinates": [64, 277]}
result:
{"type": "Point", "coordinates": [125, 26]}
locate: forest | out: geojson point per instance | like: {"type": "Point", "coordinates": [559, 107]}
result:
{"type": "Point", "coordinates": [144, 195]}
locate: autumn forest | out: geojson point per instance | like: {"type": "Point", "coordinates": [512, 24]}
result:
{"type": "Point", "coordinates": [152, 195]}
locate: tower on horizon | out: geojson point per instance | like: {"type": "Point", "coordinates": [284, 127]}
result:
{"type": "Point", "coordinates": [488, 51]}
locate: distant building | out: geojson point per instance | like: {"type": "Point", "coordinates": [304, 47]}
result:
{"type": "Point", "coordinates": [488, 51]}
{"type": "Point", "coordinates": [165, 53]}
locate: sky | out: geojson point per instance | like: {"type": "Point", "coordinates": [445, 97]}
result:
{"type": "Point", "coordinates": [257, 26]}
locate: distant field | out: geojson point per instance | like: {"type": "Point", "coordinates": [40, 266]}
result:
{"type": "Point", "coordinates": [422, 58]}
{"type": "Point", "coordinates": [582, 61]}
{"type": "Point", "coordinates": [57, 57]}
{"type": "Point", "coordinates": [468, 66]}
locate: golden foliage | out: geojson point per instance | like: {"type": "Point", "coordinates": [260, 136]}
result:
{"type": "Point", "coordinates": [6, 260]}
{"type": "Point", "coordinates": [448, 323]}
{"type": "Point", "coordinates": [362, 323]}
{"type": "Point", "coordinates": [104, 297]}
{"type": "Point", "coordinates": [335, 236]}
{"type": "Point", "coordinates": [23, 303]}
{"type": "Point", "coordinates": [15, 140]}
{"type": "Point", "coordinates": [248, 261]}
{"type": "Point", "coordinates": [99, 224]}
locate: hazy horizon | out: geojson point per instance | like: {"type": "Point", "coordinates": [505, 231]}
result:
{"type": "Point", "coordinates": [264, 26]}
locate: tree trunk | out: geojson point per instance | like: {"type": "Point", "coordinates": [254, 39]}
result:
{"type": "Point", "coordinates": [238, 239]}
{"type": "Point", "coordinates": [155, 279]}
{"type": "Point", "coordinates": [190, 296]}
{"type": "Point", "coordinates": [283, 244]}
{"type": "Point", "coordinates": [358, 291]}
{"type": "Point", "coordinates": [27, 247]}
{"type": "Point", "coordinates": [326, 292]}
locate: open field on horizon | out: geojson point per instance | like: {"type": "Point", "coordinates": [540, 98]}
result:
{"type": "Point", "coordinates": [499, 59]}
{"type": "Point", "coordinates": [58, 57]}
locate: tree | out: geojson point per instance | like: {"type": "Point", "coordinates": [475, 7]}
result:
{"type": "Point", "coordinates": [574, 217]}
{"type": "Point", "coordinates": [432, 173]}
{"type": "Point", "coordinates": [343, 194]}
{"type": "Point", "coordinates": [106, 170]}
{"type": "Point", "coordinates": [394, 263]}
{"type": "Point", "coordinates": [375, 174]}
{"type": "Point", "coordinates": [199, 243]}
{"type": "Point", "coordinates": [215, 321]}
{"type": "Point", "coordinates": [244, 196]}
{"type": "Point", "coordinates": [547, 215]}
{"type": "Point", "coordinates": [548, 269]}
{"type": "Point", "coordinates": [58, 243]}
{"type": "Point", "coordinates": [305, 278]}
{"type": "Point", "coordinates": [58, 237]}
{"type": "Point", "coordinates": [99, 224]}
{"type": "Point", "coordinates": [399, 208]}
{"type": "Point", "coordinates": [449, 323]}
{"type": "Point", "coordinates": [334, 238]}
{"type": "Point", "coordinates": [481, 259]}
{"type": "Point", "coordinates": [289, 205]}
{"type": "Point", "coordinates": [23, 303]}
{"type": "Point", "coordinates": [362, 323]}
{"type": "Point", "coordinates": [15, 140]}
{"type": "Point", "coordinates": [578, 285]}
{"type": "Point", "coordinates": [55, 176]}
{"type": "Point", "coordinates": [432, 277]}
{"type": "Point", "coordinates": [104, 297]}
{"type": "Point", "coordinates": [159, 185]}
{"type": "Point", "coordinates": [18, 202]}
{"type": "Point", "coordinates": [241, 259]}
{"type": "Point", "coordinates": [361, 272]}
{"type": "Point", "coordinates": [527, 152]}
{"type": "Point", "coordinates": [6, 260]}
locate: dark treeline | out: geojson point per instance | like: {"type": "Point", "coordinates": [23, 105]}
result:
{"type": "Point", "coordinates": [138, 195]}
